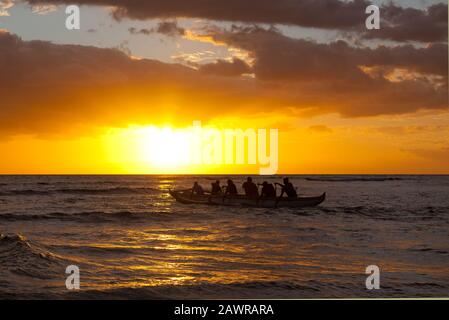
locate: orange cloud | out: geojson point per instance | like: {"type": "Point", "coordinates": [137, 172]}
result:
{"type": "Point", "coordinates": [47, 87]}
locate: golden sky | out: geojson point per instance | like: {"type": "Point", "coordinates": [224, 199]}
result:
{"type": "Point", "coordinates": [119, 95]}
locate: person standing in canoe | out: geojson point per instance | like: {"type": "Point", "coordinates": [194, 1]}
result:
{"type": "Point", "coordinates": [288, 188]}
{"type": "Point", "coordinates": [197, 189]}
{"type": "Point", "coordinates": [250, 188]}
{"type": "Point", "coordinates": [231, 188]}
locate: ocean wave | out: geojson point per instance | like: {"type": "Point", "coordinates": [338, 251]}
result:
{"type": "Point", "coordinates": [238, 290]}
{"type": "Point", "coordinates": [87, 216]}
{"type": "Point", "coordinates": [429, 250]}
{"type": "Point", "coordinates": [27, 192]}
{"type": "Point", "coordinates": [116, 190]}
{"type": "Point", "coordinates": [391, 213]}
{"type": "Point", "coordinates": [356, 179]}
{"type": "Point", "coordinates": [22, 257]}
{"type": "Point", "coordinates": [436, 213]}
{"type": "Point", "coordinates": [102, 251]}
{"type": "Point", "coordinates": [17, 245]}
{"type": "Point", "coordinates": [81, 191]}
{"type": "Point", "coordinates": [29, 269]}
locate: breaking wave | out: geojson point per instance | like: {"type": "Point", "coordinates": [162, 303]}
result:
{"type": "Point", "coordinates": [22, 257]}
{"type": "Point", "coordinates": [17, 246]}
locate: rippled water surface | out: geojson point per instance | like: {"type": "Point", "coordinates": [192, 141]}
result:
{"type": "Point", "coordinates": [132, 240]}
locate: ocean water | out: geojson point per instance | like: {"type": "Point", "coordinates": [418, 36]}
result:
{"type": "Point", "coordinates": [131, 240]}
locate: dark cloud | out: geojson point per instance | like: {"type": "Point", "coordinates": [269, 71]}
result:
{"type": "Point", "coordinates": [398, 22]}
{"type": "Point", "coordinates": [310, 13]}
{"type": "Point", "coordinates": [49, 87]}
{"type": "Point", "coordinates": [278, 57]}
{"type": "Point", "coordinates": [337, 69]}
{"type": "Point", "coordinates": [170, 29]}
{"type": "Point", "coordinates": [407, 24]}
{"type": "Point", "coordinates": [46, 87]}
{"type": "Point", "coordinates": [431, 59]}
{"type": "Point", "coordinates": [236, 67]}
{"type": "Point", "coordinates": [143, 31]}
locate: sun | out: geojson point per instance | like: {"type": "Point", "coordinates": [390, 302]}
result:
{"type": "Point", "coordinates": [164, 148]}
{"type": "Point", "coordinates": [150, 148]}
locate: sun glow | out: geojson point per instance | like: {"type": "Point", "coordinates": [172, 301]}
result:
{"type": "Point", "coordinates": [181, 150]}
{"type": "Point", "coordinates": [164, 147]}
{"type": "Point", "coordinates": [161, 149]}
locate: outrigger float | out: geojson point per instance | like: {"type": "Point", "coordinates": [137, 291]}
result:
{"type": "Point", "coordinates": [186, 197]}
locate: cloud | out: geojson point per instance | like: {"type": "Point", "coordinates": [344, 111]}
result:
{"type": "Point", "coordinates": [236, 67]}
{"type": "Point", "coordinates": [4, 6]}
{"type": "Point", "coordinates": [143, 31]}
{"type": "Point", "coordinates": [170, 29]}
{"type": "Point", "coordinates": [194, 59]}
{"type": "Point", "coordinates": [414, 130]}
{"type": "Point", "coordinates": [43, 9]}
{"type": "Point", "coordinates": [321, 128]}
{"type": "Point", "coordinates": [440, 155]}
{"type": "Point", "coordinates": [46, 87]}
{"type": "Point", "coordinates": [398, 22]}
{"type": "Point", "coordinates": [337, 68]}
{"type": "Point", "coordinates": [410, 24]}
{"type": "Point", "coordinates": [280, 57]}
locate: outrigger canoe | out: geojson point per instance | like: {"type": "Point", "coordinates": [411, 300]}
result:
{"type": "Point", "coordinates": [186, 197]}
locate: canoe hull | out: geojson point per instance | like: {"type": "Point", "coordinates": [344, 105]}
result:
{"type": "Point", "coordinates": [240, 200]}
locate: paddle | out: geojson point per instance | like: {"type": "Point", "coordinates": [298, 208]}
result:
{"type": "Point", "coordinates": [282, 193]}
{"type": "Point", "coordinates": [260, 196]}
{"type": "Point", "coordinates": [224, 193]}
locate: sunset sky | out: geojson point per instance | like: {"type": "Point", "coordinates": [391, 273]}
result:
{"type": "Point", "coordinates": [345, 99]}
